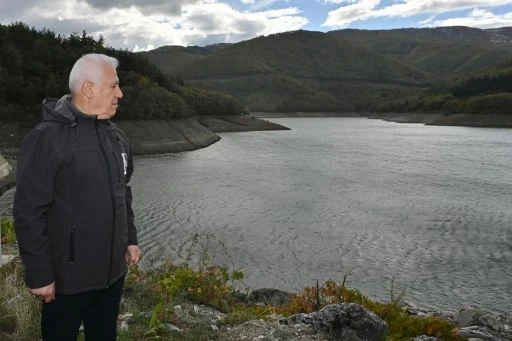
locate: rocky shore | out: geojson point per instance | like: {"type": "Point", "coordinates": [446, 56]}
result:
{"type": "Point", "coordinates": [156, 136]}
{"type": "Point", "coordinates": [340, 321]}
{"type": "Point", "coordinates": [146, 136]}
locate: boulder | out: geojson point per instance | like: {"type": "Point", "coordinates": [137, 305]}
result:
{"type": "Point", "coordinates": [5, 168]}
{"type": "Point", "coordinates": [268, 296]}
{"type": "Point", "coordinates": [347, 321]}
{"type": "Point", "coordinates": [467, 316]}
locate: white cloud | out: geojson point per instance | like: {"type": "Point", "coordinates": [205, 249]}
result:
{"type": "Point", "coordinates": [339, 1]}
{"type": "Point", "coordinates": [414, 7]}
{"type": "Point", "coordinates": [477, 18]}
{"type": "Point", "coordinates": [357, 10]}
{"type": "Point", "coordinates": [365, 9]}
{"type": "Point", "coordinates": [141, 26]}
{"type": "Point", "coordinates": [257, 5]}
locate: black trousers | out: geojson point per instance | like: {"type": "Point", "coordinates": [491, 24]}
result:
{"type": "Point", "coordinates": [98, 310]}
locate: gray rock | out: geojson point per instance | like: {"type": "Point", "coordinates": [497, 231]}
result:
{"type": "Point", "coordinates": [490, 321]}
{"type": "Point", "coordinates": [5, 168]}
{"type": "Point", "coordinates": [348, 321]}
{"type": "Point", "coordinates": [145, 314]}
{"type": "Point", "coordinates": [269, 296]}
{"type": "Point", "coordinates": [479, 332]}
{"type": "Point", "coordinates": [467, 317]}
{"type": "Point", "coordinates": [193, 313]}
{"type": "Point", "coordinates": [425, 338]}
{"type": "Point", "coordinates": [173, 328]}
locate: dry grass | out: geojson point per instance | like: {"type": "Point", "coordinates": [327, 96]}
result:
{"type": "Point", "coordinates": [19, 311]}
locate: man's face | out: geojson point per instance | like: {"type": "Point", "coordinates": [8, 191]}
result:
{"type": "Point", "coordinates": [106, 94]}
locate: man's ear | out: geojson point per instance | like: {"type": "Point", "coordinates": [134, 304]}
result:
{"type": "Point", "coordinates": [87, 89]}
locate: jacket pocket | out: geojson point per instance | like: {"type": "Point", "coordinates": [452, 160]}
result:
{"type": "Point", "coordinates": [72, 245]}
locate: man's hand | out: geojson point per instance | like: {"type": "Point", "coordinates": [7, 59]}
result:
{"type": "Point", "coordinates": [133, 255]}
{"type": "Point", "coordinates": [47, 293]}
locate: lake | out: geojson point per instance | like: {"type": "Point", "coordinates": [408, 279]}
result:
{"type": "Point", "coordinates": [426, 207]}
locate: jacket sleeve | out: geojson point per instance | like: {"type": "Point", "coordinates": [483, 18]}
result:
{"type": "Point", "coordinates": [132, 231]}
{"type": "Point", "coordinates": [36, 167]}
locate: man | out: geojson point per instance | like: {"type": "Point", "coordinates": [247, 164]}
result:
{"type": "Point", "coordinates": [72, 206]}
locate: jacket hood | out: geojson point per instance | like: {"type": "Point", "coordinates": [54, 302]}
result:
{"type": "Point", "coordinates": [62, 110]}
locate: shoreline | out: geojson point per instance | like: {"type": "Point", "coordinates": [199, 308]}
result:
{"type": "Point", "coordinates": [147, 137]}
{"type": "Point", "coordinates": [188, 133]}
{"type": "Point", "coordinates": [436, 119]}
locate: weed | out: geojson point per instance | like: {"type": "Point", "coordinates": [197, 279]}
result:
{"type": "Point", "coordinates": [401, 325]}
{"type": "Point", "coordinates": [7, 233]}
{"type": "Point", "coordinates": [208, 284]}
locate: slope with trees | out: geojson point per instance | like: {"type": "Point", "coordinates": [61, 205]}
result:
{"type": "Point", "coordinates": [350, 70]}
{"type": "Point", "coordinates": [34, 64]}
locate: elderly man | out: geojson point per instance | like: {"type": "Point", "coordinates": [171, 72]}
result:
{"type": "Point", "coordinates": [72, 206]}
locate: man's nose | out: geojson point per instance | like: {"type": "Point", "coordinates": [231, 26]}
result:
{"type": "Point", "coordinates": [119, 93]}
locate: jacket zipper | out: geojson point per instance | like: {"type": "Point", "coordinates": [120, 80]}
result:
{"type": "Point", "coordinates": [72, 245]}
{"type": "Point", "coordinates": [112, 201]}
{"type": "Point", "coordinates": [72, 234]}
{"type": "Point", "coordinates": [117, 168]}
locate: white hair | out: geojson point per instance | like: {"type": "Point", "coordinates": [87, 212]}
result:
{"type": "Point", "coordinates": [89, 68]}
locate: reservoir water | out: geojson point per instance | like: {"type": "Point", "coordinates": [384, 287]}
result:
{"type": "Point", "coordinates": [427, 207]}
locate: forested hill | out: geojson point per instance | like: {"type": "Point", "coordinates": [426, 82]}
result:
{"type": "Point", "coordinates": [35, 64]}
{"type": "Point", "coordinates": [352, 70]}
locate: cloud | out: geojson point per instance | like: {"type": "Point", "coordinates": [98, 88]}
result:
{"type": "Point", "coordinates": [364, 9]}
{"type": "Point", "coordinates": [257, 5]}
{"type": "Point", "coordinates": [143, 24]}
{"type": "Point", "coordinates": [173, 7]}
{"type": "Point", "coordinates": [477, 18]}
{"type": "Point", "coordinates": [356, 10]}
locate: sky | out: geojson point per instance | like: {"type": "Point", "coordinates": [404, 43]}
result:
{"type": "Point", "coordinates": [141, 25]}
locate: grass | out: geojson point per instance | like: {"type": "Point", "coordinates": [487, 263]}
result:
{"type": "Point", "coordinates": [7, 231]}
{"type": "Point", "coordinates": [19, 311]}
{"type": "Point", "coordinates": [151, 296]}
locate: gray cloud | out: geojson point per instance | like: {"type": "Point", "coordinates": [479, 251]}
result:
{"type": "Point", "coordinates": [250, 27]}
{"type": "Point", "coordinates": [205, 22]}
{"type": "Point", "coordinates": [14, 9]}
{"type": "Point", "coordinates": [68, 26]}
{"type": "Point", "coordinates": [173, 7]}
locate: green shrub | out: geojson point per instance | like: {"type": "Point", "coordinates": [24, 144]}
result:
{"type": "Point", "coordinates": [8, 235]}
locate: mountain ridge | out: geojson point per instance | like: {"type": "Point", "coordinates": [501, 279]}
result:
{"type": "Point", "coordinates": [343, 70]}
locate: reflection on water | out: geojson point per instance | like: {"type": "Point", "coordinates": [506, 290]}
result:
{"type": "Point", "coordinates": [427, 206]}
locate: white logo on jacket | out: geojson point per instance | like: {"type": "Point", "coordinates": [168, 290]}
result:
{"type": "Point", "coordinates": [125, 162]}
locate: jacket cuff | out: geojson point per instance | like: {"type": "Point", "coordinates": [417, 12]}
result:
{"type": "Point", "coordinates": [39, 278]}
{"type": "Point", "coordinates": [132, 239]}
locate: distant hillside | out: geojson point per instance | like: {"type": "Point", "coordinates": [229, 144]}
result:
{"type": "Point", "coordinates": [345, 70]}
{"type": "Point", "coordinates": [173, 58]}
{"type": "Point", "coordinates": [443, 51]}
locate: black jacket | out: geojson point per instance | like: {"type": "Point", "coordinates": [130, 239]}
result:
{"type": "Point", "coordinates": [72, 206]}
